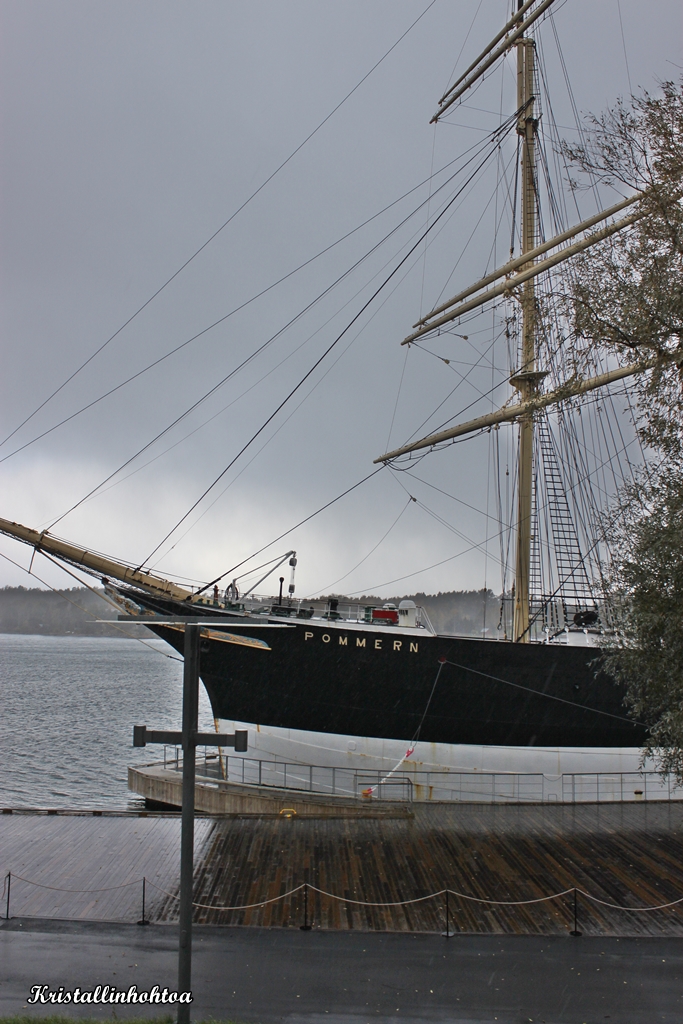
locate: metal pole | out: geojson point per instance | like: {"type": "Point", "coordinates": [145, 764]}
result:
{"type": "Point", "coordinates": [144, 886]}
{"type": "Point", "coordinates": [190, 711]}
{"type": "Point", "coordinates": [447, 933]}
{"type": "Point", "coordinates": [576, 931]}
{"type": "Point", "coordinates": [9, 883]}
{"type": "Point", "coordinates": [305, 927]}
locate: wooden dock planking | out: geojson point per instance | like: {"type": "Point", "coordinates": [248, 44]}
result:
{"type": "Point", "coordinates": [629, 855]}
{"type": "Point", "coordinates": [625, 854]}
{"type": "Point", "coordinates": [86, 853]}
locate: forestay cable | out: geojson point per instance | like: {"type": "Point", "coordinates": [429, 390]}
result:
{"type": "Point", "coordinates": [297, 316]}
{"type": "Point", "coordinates": [224, 225]}
{"type": "Point", "coordinates": [324, 355]}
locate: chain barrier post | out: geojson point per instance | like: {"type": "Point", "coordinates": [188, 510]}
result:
{"type": "Point", "coordinates": [9, 883]}
{"type": "Point", "coordinates": [576, 933]}
{"type": "Point", "coordinates": [305, 927]}
{"type": "Point", "coordinates": [447, 933]}
{"type": "Point", "coordinates": [144, 885]}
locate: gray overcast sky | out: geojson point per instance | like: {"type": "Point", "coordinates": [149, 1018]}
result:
{"type": "Point", "coordinates": [130, 132]}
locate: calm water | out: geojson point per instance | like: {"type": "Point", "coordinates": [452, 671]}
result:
{"type": "Point", "coordinates": [68, 709]}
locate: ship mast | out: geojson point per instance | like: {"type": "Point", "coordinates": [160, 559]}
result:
{"type": "Point", "coordinates": [517, 279]}
{"type": "Point", "coordinates": [519, 276]}
{"type": "Point", "coordinates": [526, 379]}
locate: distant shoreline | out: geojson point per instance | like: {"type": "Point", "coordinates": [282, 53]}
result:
{"type": "Point", "coordinates": [74, 612]}
{"type": "Point", "coordinates": [114, 634]}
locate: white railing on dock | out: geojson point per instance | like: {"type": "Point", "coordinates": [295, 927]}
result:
{"type": "Point", "coordinates": [430, 786]}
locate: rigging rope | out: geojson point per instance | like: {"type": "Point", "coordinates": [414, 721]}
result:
{"type": "Point", "coordinates": [322, 508]}
{"type": "Point", "coordinates": [413, 743]}
{"type": "Point", "coordinates": [505, 529]}
{"type": "Point", "coordinates": [384, 536]}
{"type": "Point", "coordinates": [225, 223]}
{"type": "Point", "coordinates": [265, 290]}
{"type": "Point", "coordinates": [284, 421]}
{"type": "Point", "coordinates": [61, 593]}
{"type": "Point", "coordinates": [539, 693]}
{"type": "Point", "coordinates": [324, 355]}
{"type": "Point", "coordinates": [293, 320]}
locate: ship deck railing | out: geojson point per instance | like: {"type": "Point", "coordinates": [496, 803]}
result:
{"type": "Point", "coordinates": [421, 785]}
{"type": "Point", "coordinates": [298, 609]}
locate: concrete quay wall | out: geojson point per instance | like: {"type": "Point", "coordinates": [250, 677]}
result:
{"type": "Point", "coordinates": [163, 786]}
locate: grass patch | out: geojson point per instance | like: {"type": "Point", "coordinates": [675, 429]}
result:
{"type": "Point", "coordinates": [25, 1018]}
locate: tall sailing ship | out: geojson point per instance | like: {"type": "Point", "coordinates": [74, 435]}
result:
{"type": "Point", "coordinates": [364, 686]}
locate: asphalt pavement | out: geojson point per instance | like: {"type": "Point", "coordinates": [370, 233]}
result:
{"type": "Point", "coordinates": [268, 975]}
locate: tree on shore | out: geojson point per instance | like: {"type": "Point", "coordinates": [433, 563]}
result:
{"type": "Point", "coordinates": [645, 653]}
{"type": "Point", "coordinates": [627, 294]}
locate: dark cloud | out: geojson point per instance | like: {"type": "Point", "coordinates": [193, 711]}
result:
{"type": "Point", "coordinates": [130, 132]}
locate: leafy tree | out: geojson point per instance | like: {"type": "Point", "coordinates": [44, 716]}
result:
{"type": "Point", "coordinates": [627, 294]}
{"type": "Point", "coordinates": [646, 651]}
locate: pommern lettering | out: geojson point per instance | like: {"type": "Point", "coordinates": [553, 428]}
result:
{"type": "Point", "coordinates": [361, 641]}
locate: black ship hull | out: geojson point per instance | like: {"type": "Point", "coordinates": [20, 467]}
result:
{"type": "Point", "coordinates": [356, 680]}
